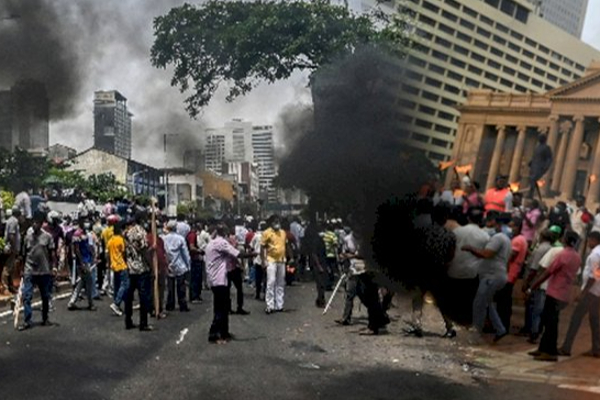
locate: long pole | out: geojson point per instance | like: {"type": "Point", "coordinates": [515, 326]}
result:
{"type": "Point", "coordinates": [337, 287]}
{"type": "Point", "coordinates": [155, 260]}
{"type": "Point", "coordinates": [166, 182]}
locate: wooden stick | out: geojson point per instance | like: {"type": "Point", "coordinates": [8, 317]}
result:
{"type": "Point", "coordinates": [155, 260]}
{"type": "Point", "coordinates": [18, 304]}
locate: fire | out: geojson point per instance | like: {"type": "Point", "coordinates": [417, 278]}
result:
{"type": "Point", "coordinates": [541, 183]}
{"type": "Point", "coordinates": [444, 165]}
{"type": "Point", "coordinates": [593, 178]}
{"type": "Point", "coordinates": [464, 169]}
{"type": "Point", "coordinates": [514, 187]}
{"type": "Point", "coordinates": [459, 193]}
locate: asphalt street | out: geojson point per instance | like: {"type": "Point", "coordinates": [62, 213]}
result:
{"type": "Point", "coordinates": [297, 354]}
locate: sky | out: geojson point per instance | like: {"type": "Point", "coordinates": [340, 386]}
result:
{"type": "Point", "coordinates": [591, 28]}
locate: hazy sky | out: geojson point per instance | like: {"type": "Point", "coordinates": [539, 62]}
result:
{"type": "Point", "coordinates": [591, 28]}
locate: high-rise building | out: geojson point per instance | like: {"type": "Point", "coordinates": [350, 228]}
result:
{"type": "Point", "coordinates": [24, 117]}
{"type": "Point", "coordinates": [238, 142]}
{"type": "Point", "coordinates": [477, 44]}
{"type": "Point", "coordinates": [568, 15]}
{"type": "Point", "coordinates": [112, 123]}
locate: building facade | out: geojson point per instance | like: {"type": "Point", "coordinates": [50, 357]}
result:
{"type": "Point", "coordinates": [476, 44]}
{"type": "Point", "coordinates": [25, 117]}
{"type": "Point", "coordinates": [59, 153]}
{"type": "Point", "coordinates": [568, 15]}
{"type": "Point", "coordinates": [498, 133]}
{"type": "Point", "coordinates": [112, 123]}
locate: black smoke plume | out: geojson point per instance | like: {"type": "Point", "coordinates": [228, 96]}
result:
{"type": "Point", "coordinates": [354, 163]}
{"type": "Point", "coordinates": [33, 47]}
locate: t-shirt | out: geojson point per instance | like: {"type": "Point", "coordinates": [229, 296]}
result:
{"type": "Point", "coordinates": [529, 231]}
{"type": "Point", "coordinates": [38, 249]}
{"type": "Point", "coordinates": [518, 245]}
{"type": "Point", "coordinates": [275, 242]}
{"type": "Point", "coordinates": [84, 242]}
{"type": "Point", "coordinates": [220, 254]}
{"type": "Point", "coordinates": [465, 265]}
{"type": "Point", "coordinates": [12, 228]}
{"type": "Point", "coordinates": [495, 267]}
{"type": "Point", "coordinates": [563, 271]}
{"type": "Point", "coordinates": [538, 253]}
{"type": "Point", "coordinates": [331, 243]}
{"type": "Point", "coordinates": [592, 271]}
{"type": "Point", "coordinates": [547, 259]}
{"type": "Point", "coordinates": [116, 252]}
{"type": "Point", "coordinates": [135, 250]}
{"type": "Point", "coordinates": [107, 234]}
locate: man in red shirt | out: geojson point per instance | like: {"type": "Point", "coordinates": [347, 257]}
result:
{"type": "Point", "coordinates": [162, 272]}
{"type": "Point", "coordinates": [196, 267]}
{"type": "Point", "coordinates": [560, 275]}
{"type": "Point", "coordinates": [504, 298]}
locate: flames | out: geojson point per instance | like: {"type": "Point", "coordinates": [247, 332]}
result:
{"type": "Point", "coordinates": [515, 186]}
{"type": "Point", "coordinates": [444, 165]}
{"type": "Point", "coordinates": [541, 183]}
{"type": "Point", "coordinates": [464, 169]}
{"type": "Point", "coordinates": [593, 178]}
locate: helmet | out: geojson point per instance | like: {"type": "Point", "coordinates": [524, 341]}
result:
{"type": "Point", "coordinates": [52, 216]}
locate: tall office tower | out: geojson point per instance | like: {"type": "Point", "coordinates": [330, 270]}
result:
{"type": "Point", "coordinates": [568, 15]}
{"type": "Point", "coordinates": [238, 142]}
{"type": "Point", "coordinates": [467, 44]}
{"type": "Point", "coordinates": [112, 123]}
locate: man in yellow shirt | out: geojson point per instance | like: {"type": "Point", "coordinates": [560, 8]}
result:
{"type": "Point", "coordinates": [273, 256]}
{"type": "Point", "coordinates": [116, 259]}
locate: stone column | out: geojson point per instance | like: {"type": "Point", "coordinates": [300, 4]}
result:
{"type": "Point", "coordinates": [570, 168]}
{"type": "Point", "coordinates": [495, 164]}
{"type": "Point", "coordinates": [515, 166]}
{"type": "Point", "coordinates": [592, 195]}
{"type": "Point", "coordinates": [552, 142]}
{"type": "Point", "coordinates": [560, 157]}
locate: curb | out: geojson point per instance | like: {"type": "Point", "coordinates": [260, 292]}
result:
{"type": "Point", "coordinates": [63, 287]}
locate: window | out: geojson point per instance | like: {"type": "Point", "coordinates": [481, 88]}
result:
{"type": "Point", "coordinates": [424, 34]}
{"type": "Point", "coordinates": [472, 13]}
{"type": "Point", "coordinates": [448, 102]}
{"type": "Point", "coordinates": [481, 45]}
{"type": "Point", "coordinates": [509, 70]}
{"type": "Point", "coordinates": [439, 55]}
{"type": "Point", "coordinates": [537, 83]}
{"type": "Point", "coordinates": [493, 3]}
{"type": "Point", "coordinates": [458, 63]}
{"type": "Point", "coordinates": [410, 89]}
{"type": "Point", "coordinates": [566, 72]}
{"type": "Point", "coordinates": [449, 16]}
{"type": "Point", "coordinates": [544, 49]}
{"type": "Point", "coordinates": [580, 67]}
{"type": "Point", "coordinates": [530, 42]}
{"type": "Point", "coordinates": [426, 110]}
{"type": "Point", "coordinates": [514, 47]}
{"type": "Point", "coordinates": [451, 89]}
{"type": "Point", "coordinates": [516, 35]}
{"type": "Point", "coordinates": [500, 40]}
{"type": "Point", "coordinates": [437, 156]}
{"type": "Point", "coordinates": [512, 59]}
{"type": "Point", "coordinates": [446, 116]}
{"type": "Point", "coordinates": [420, 138]}
{"type": "Point", "coordinates": [471, 82]}
{"type": "Point", "coordinates": [491, 76]}
{"type": "Point", "coordinates": [417, 61]}
{"type": "Point", "coordinates": [522, 14]}
{"type": "Point", "coordinates": [440, 143]}
{"type": "Point", "coordinates": [569, 62]}
{"type": "Point", "coordinates": [428, 6]}
{"type": "Point", "coordinates": [421, 48]}
{"type": "Point", "coordinates": [508, 7]}
{"type": "Point", "coordinates": [556, 56]}
{"type": "Point", "coordinates": [414, 75]}
{"type": "Point", "coordinates": [426, 20]}
{"type": "Point", "coordinates": [506, 82]}
{"type": "Point", "coordinates": [477, 57]}
{"type": "Point", "coordinates": [443, 129]}
{"type": "Point", "coordinates": [538, 71]}
{"type": "Point", "coordinates": [467, 24]}
{"type": "Point", "coordinates": [484, 32]}
{"type": "Point", "coordinates": [527, 53]}
{"type": "Point", "coordinates": [437, 69]}
{"type": "Point", "coordinates": [453, 3]}
{"type": "Point", "coordinates": [443, 42]}
{"type": "Point", "coordinates": [502, 28]}
{"type": "Point", "coordinates": [541, 60]}
{"type": "Point", "coordinates": [430, 96]}
{"type": "Point", "coordinates": [523, 77]}
{"type": "Point", "coordinates": [463, 37]}
{"type": "Point", "coordinates": [433, 82]}
{"type": "Point", "coordinates": [526, 65]}
{"type": "Point", "coordinates": [455, 76]}
{"type": "Point", "coordinates": [496, 52]}
{"type": "Point", "coordinates": [554, 66]}
{"type": "Point", "coordinates": [552, 78]}
{"type": "Point", "coordinates": [461, 50]}
{"type": "Point", "coordinates": [407, 104]}
{"type": "Point", "coordinates": [475, 70]}
{"type": "Point", "coordinates": [520, 88]}
{"type": "Point", "coordinates": [548, 87]}
{"type": "Point", "coordinates": [484, 19]}
{"type": "Point", "coordinates": [494, 64]}
{"type": "Point", "coordinates": [446, 29]}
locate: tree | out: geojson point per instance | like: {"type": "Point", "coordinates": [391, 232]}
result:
{"type": "Point", "coordinates": [243, 43]}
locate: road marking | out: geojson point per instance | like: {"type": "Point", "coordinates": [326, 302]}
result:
{"type": "Point", "coordinates": [36, 304]}
{"type": "Point", "coordinates": [182, 335]}
{"type": "Point", "coordinates": [590, 389]}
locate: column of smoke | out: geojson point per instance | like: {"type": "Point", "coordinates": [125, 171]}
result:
{"type": "Point", "coordinates": [353, 163]}
{"type": "Point", "coordinates": [62, 43]}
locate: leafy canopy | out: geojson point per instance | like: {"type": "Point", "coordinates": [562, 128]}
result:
{"type": "Point", "coordinates": [243, 43]}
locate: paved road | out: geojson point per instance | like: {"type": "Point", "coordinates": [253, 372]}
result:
{"type": "Point", "coordinates": [298, 354]}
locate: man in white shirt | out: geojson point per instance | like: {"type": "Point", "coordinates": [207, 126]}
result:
{"type": "Point", "coordinates": [589, 301]}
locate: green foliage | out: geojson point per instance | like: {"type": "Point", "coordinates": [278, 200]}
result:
{"type": "Point", "coordinates": [243, 43]}
{"type": "Point", "coordinates": [103, 187]}
{"type": "Point", "coordinates": [8, 199]}
{"type": "Point", "coordinates": [21, 170]}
